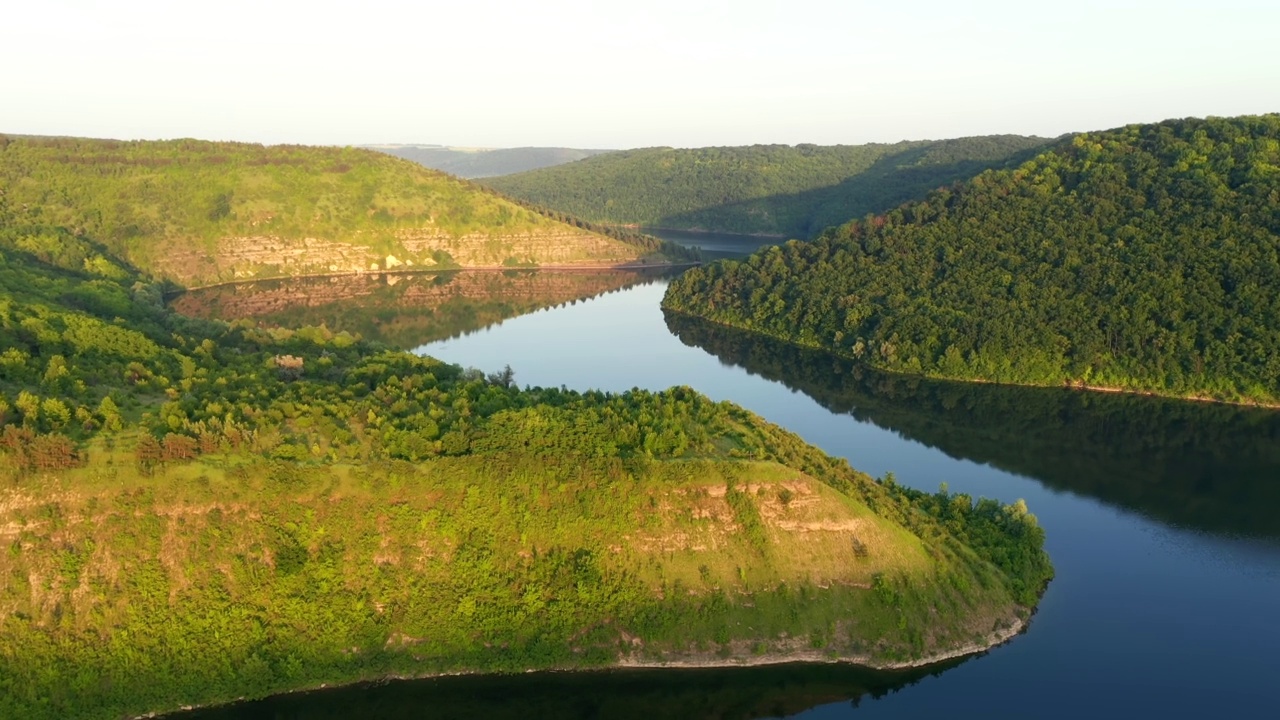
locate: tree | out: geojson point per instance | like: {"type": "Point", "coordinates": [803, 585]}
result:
{"type": "Point", "coordinates": [29, 407]}
{"type": "Point", "coordinates": [53, 452]}
{"type": "Point", "coordinates": [110, 414]}
{"type": "Point", "coordinates": [56, 414]}
{"type": "Point", "coordinates": [504, 377]}
{"type": "Point", "coordinates": [148, 453]}
{"type": "Point", "coordinates": [56, 374]}
{"type": "Point", "coordinates": [178, 447]}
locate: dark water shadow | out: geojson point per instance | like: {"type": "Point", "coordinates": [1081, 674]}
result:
{"type": "Point", "coordinates": [638, 694]}
{"type": "Point", "coordinates": [716, 246]}
{"type": "Point", "coordinates": [1205, 466]}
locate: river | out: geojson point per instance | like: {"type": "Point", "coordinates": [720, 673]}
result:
{"type": "Point", "coordinates": [1162, 520]}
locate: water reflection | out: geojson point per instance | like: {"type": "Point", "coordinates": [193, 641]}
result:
{"type": "Point", "coordinates": [1209, 467]}
{"type": "Point", "coordinates": [717, 246]}
{"type": "Point", "coordinates": [405, 310]}
{"type": "Point", "coordinates": [726, 694]}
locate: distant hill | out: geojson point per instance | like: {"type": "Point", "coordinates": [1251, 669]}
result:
{"type": "Point", "coordinates": [485, 162]}
{"type": "Point", "coordinates": [1144, 258]}
{"type": "Point", "coordinates": [761, 189]}
{"type": "Point", "coordinates": [203, 212]}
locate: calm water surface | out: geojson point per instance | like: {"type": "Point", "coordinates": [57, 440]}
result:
{"type": "Point", "coordinates": [1163, 522]}
{"type": "Point", "coordinates": [715, 246]}
{"type": "Point", "coordinates": [1145, 618]}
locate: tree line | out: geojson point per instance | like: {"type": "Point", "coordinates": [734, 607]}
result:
{"type": "Point", "coordinates": [790, 191]}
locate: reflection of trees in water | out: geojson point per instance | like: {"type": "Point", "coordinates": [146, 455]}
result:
{"type": "Point", "coordinates": [1206, 466]}
{"type": "Point", "coordinates": [405, 310]}
{"type": "Point", "coordinates": [724, 693]}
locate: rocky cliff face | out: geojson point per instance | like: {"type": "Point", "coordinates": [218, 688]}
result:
{"type": "Point", "coordinates": [241, 258]}
{"type": "Point", "coordinates": [553, 248]}
{"type": "Point", "coordinates": [268, 256]}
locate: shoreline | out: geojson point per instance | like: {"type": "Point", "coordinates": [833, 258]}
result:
{"type": "Point", "coordinates": [992, 641]}
{"type": "Point", "coordinates": [430, 271]}
{"type": "Point", "coordinates": [760, 236]}
{"type": "Point", "coordinates": [1068, 385]}
{"type": "Point", "coordinates": [1107, 389]}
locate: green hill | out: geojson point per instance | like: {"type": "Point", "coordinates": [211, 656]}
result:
{"type": "Point", "coordinates": [761, 189]}
{"type": "Point", "coordinates": [1144, 258]}
{"type": "Point", "coordinates": [485, 162]}
{"type": "Point", "coordinates": [192, 512]}
{"type": "Point", "coordinates": [203, 212]}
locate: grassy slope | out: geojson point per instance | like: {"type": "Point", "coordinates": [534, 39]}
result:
{"type": "Point", "coordinates": [201, 212]}
{"type": "Point", "coordinates": [1142, 258]}
{"type": "Point", "coordinates": [766, 189]}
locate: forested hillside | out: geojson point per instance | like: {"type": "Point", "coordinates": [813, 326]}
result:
{"type": "Point", "coordinates": [481, 163]}
{"type": "Point", "coordinates": [1144, 258]}
{"type": "Point", "coordinates": [193, 512]}
{"type": "Point", "coordinates": [761, 189]}
{"type": "Point", "coordinates": [202, 212]}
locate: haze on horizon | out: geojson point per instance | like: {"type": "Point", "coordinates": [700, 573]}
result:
{"type": "Point", "coordinates": [503, 73]}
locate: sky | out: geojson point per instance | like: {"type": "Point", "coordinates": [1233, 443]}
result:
{"type": "Point", "coordinates": [607, 74]}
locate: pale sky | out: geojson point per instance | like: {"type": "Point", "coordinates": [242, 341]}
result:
{"type": "Point", "coordinates": [503, 73]}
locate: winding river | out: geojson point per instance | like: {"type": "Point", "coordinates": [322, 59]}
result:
{"type": "Point", "coordinates": [1162, 517]}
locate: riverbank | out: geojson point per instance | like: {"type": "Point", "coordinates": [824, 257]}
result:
{"type": "Point", "coordinates": [432, 271]}
{"type": "Point", "coordinates": [1065, 385]}
{"type": "Point", "coordinates": [710, 233]}
{"type": "Point", "coordinates": [800, 656]}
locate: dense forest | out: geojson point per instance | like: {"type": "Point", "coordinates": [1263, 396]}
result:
{"type": "Point", "coordinates": [485, 162]}
{"type": "Point", "coordinates": [203, 212]}
{"type": "Point", "coordinates": [1144, 258]}
{"type": "Point", "coordinates": [781, 190]}
{"type": "Point", "coordinates": [193, 512]}
{"type": "Point", "coordinates": [1208, 466]}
